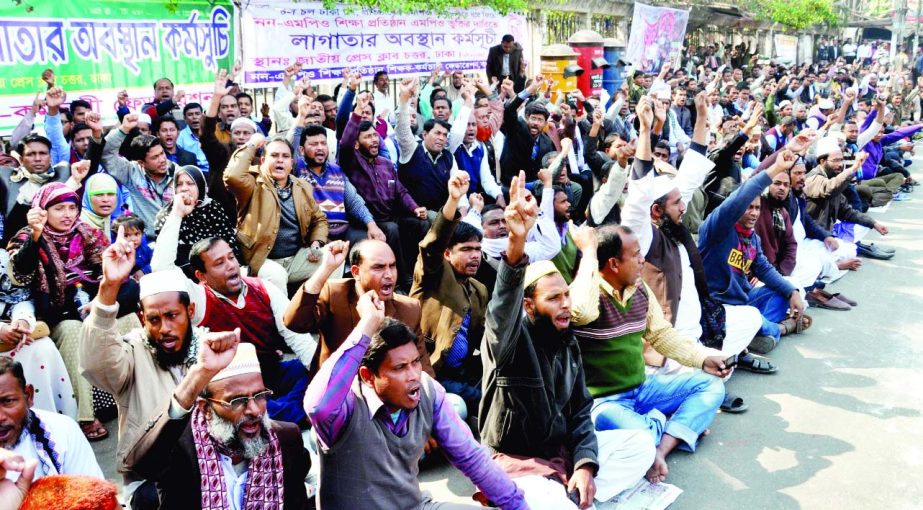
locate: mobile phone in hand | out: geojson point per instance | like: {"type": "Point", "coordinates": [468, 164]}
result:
{"type": "Point", "coordinates": [730, 362]}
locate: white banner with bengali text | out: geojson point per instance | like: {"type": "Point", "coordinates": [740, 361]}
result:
{"type": "Point", "coordinates": [327, 41]}
{"type": "Point", "coordinates": [786, 48]}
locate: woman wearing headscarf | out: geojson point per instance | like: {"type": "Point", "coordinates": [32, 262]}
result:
{"type": "Point", "coordinates": [59, 257]}
{"type": "Point", "coordinates": [102, 201]}
{"type": "Point", "coordinates": [207, 219]}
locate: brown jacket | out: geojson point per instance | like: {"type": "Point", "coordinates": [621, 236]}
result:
{"type": "Point", "coordinates": [259, 210]}
{"type": "Point", "coordinates": [826, 202]}
{"type": "Point", "coordinates": [333, 315]}
{"type": "Point", "coordinates": [446, 299]}
{"type": "Point", "coordinates": [166, 453]}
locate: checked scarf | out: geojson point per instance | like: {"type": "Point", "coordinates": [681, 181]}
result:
{"type": "Point", "coordinates": [264, 478]}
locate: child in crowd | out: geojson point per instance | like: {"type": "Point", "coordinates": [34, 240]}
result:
{"type": "Point", "coordinates": [134, 232]}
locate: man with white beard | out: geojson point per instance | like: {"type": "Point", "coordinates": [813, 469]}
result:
{"type": "Point", "coordinates": [213, 445]}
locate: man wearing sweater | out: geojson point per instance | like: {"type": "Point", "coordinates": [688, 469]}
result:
{"type": "Point", "coordinates": [733, 257]}
{"type": "Point", "coordinates": [373, 409]}
{"type": "Point", "coordinates": [612, 341]}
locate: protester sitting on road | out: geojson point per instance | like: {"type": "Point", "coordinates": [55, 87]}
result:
{"type": "Point", "coordinates": [45, 441]}
{"type": "Point", "coordinates": [540, 346]}
{"type": "Point", "coordinates": [210, 444]}
{"type": "Point", "coordinates": [279, 225]}
{"type": "Point", "coordinates": [373, 408]}
{"type": "Point", "coordinates": [224, 299]}
{"type": "Point", "coordinates": [325, 307]}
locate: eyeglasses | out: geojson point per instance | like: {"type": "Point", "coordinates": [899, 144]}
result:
{"type": "Point", "coordinates": [241, 403]}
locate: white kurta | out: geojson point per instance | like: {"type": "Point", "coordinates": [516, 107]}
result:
{"type": "Point", "coordinates": [74, 453]}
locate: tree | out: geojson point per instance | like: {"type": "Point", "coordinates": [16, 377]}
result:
{"type": "Point", "coordinates": [798, 14]}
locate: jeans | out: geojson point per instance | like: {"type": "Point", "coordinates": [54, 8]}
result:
{"type": "Point", "coordinates": [691, 398]}
{"type": "Point", "coordinates": [772, 306]}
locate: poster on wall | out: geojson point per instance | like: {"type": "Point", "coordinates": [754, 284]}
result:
{"type": "Point", "coordinates": [786, 48]}
{"type": "Point", "coordinates": [98, 49]}
{"type": "Point", "coordinates": [656, 37]}
{"type": "Point", "coordinates": [327, 41]}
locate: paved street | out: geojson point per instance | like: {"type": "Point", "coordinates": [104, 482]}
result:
{"type": "Point", "coordinates": [838, 427]}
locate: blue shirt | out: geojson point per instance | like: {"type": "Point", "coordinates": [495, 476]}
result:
{"type": "Point", "coordinates": [189, 141]}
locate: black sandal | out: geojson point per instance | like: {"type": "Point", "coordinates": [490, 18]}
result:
{"type": "Point", "coordinates": [733, 404]}
{"type": "Point", "coordinates": [751, 363]}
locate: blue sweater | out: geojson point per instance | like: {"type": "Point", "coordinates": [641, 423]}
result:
{"type": "Point", "coordinates": [728, 267]}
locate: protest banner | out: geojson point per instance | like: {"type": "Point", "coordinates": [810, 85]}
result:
{"type": "Point", "coordinates": [656, 37]}
{"type": "Point", "coordinates": [786, 48]}
{"type": "Point", "coordinates": [326, 41]}
{"type": "Point", "coordinates": [97, 49]}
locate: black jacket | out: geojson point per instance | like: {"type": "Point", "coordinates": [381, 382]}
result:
{"type": "Point", "coordinates": [184, 157]}
{"type": "Point", "coordinates": [517, 150]}
{"type": "Point", "coordinates": [535, 401]}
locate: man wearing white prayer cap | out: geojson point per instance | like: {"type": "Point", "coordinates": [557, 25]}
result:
{"type": "Point", "coordinates": [673, 267]}
{"type": "Point", "coordinates": [141, 367]}
{"type": "Point", "coordinates": [214, 442]}
{"type": "Point", "coordinates": [144, 123]}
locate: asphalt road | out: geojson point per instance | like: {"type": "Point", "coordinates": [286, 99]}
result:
{"type": "Point", "coordinates": [839, 426]}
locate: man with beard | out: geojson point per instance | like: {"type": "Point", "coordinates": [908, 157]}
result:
{"type": "Point", "coordinates": [142, 368]}
{"type": "Point", "coordinates": [472, 157]}
{"type": "Point", "coordinates": [372, 427]}
{"type": "Point", "coordinates": [50, 442]}
{"type": "Point", "coordinates": [673, 268]}
{"type": "Point", "coordinates": [336, 196]}
{"type": "Point", "coordinates": [310, 113]}
{"type": "Point", "coordinates": [223, 299]}
{"type": "Point", "coordinates": [426, 166]}
{"type": "Point", "coordinates": [147, 174]}
{"type": "Point", "coordinates": [167, 130]}
{"type": "Point", "coordinates": [396, 213]}
{"type": "Point", "coordinates": [819, 254]}
{"type": "Point", "coordinates": [188, 138]}
{"type": "Point", "coordinates": [549, 447]}
{"type": "Point", "coordinates": [453, 302]}
{"type": "Point", "coordinates": [213, 446]}
{"type": "Point", "coordinates": [774, 226]}
{"type": "Point", "coordinates": [824, 187]}
{"type": "Point", "coordinates": [733, 259]}
{"type": "Point", "coordinates": [526, 141]}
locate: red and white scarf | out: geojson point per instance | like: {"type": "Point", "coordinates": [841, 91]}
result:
{"type": "Point", "coordinates": [265, 475]}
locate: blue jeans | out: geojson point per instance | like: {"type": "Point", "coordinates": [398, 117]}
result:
{"type": "Point", "coordinates": [772, 306]}
{"type": "Point", "coordinates": [692, 399]}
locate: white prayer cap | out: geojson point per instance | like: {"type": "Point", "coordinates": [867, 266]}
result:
{"type": "Point", "coordinates": [661, 185]}
{"type": "Point", "coordinates": [144, 118]}
{"type": "Point", "coordinates": [825, 104]}
{"type": "Point", "coordinates": [170, 280]}
{"type": "Point", "coordinates": [783, 104]}
{"type": "Point", "coordinates": [244, 121]}
{"type": "Point", "coordinates": [244, 362]}
{"type": "Point", "coordinates": [537, 270]}
{"type": "Point", "coordinates": [827, 145]}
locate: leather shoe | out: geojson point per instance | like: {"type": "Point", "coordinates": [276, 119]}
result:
{"type": "Point", "coordinates": [873, 252]}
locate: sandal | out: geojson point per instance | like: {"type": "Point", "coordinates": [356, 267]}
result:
{"type": "Point", "coordinates": [733, 404]}
{"type": "Point", "coordinates": [94, 430]}
{"type": "Point", "coordinates": [797, 326]}
{"type": "Point", "coordinates": [751, 363]}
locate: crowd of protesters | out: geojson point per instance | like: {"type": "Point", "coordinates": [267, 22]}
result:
{"type": "Point", "coordinates": [548, 288]}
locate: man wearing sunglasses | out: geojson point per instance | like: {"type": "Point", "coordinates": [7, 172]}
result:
{"type": "Point", "coordinates": [214, 446]}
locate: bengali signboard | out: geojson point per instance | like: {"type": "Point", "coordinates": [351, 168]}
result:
{"type": "Point", "coordinates": [786, 48]}
{"type": "Point", "coordinates": [326, 41]}
{"type": "Point", "coordinates": [656, 37]}
{"type": "Point", "coordinates": [99, 48]}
